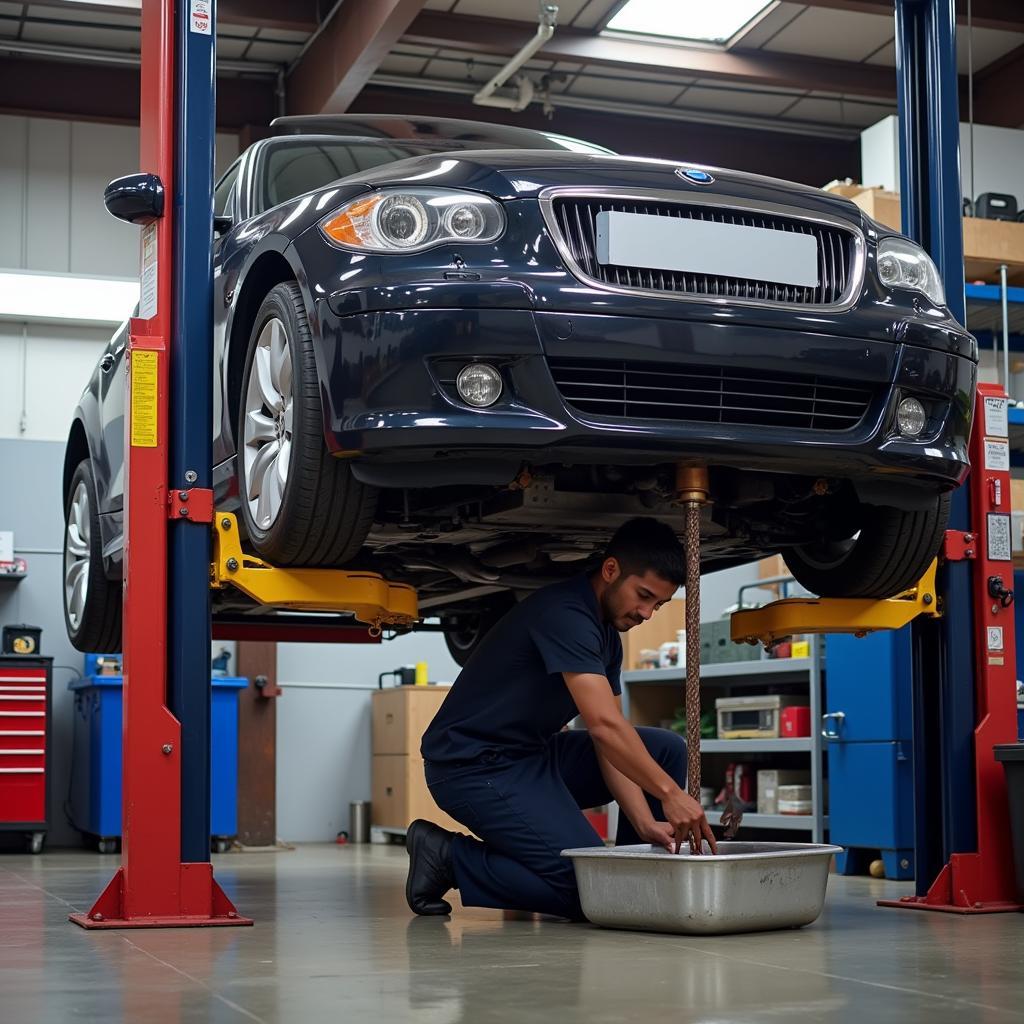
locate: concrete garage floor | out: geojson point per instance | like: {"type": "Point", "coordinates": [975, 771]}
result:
{"type": "Point", "coordinates": [335, 941]}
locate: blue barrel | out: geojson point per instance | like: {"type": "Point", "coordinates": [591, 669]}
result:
{"type": "Point", "coordinates": [95, 802]}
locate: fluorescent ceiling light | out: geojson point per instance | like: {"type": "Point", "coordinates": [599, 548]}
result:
{"type": "Point", "coordinates": [66, 297]}
{"type": "Point", "coordinates": [133, 5]}
{"type": "Point", "coordinates": [706, 21]}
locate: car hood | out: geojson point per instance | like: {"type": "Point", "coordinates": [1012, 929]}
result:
{"type": "Point", "coordinates": [523, 174]}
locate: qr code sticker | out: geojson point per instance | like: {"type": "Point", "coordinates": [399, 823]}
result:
{"type": "Point", "coordinates": [999, 549]}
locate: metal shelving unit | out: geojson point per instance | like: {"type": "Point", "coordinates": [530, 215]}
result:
{"type": "Point", "coordinates": [797, 822]}
{"type": "Point", "coordinates": [759, 673]}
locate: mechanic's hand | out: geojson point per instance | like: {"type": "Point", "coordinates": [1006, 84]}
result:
{"type": "Point", "coordinates": [658, 833]}
{"type": "Point", "coordinates": [689, 822]}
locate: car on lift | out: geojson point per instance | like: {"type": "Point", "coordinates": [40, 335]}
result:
{"type": "Point", "coordinates": [461, 354]}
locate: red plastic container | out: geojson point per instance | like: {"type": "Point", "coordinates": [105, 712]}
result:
{"type": "Point", "coordinates": [795, 721]}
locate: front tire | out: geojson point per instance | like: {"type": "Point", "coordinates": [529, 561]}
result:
{"type": "Point", "coordinates": [92, 603]}
{"type": "Point", "coordinates": [889, 554]}
{"type": "Point", "coordinates": [300, 505]}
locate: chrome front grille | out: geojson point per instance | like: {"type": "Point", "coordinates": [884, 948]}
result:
{"type": "Point", "coordinates": [621, 389]}
{"type": "Point", "coordinates": [575, 219]}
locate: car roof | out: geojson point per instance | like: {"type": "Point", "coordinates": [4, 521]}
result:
{"type": "Point", "coordinates": [430, 131]}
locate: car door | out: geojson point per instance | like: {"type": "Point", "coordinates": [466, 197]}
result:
{"type": "Point", "coordinates": [224, 206]}
{"type": "Point", "coordinates": [108, 461]}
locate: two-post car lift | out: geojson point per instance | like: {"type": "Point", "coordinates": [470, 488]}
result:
{"type": "Point", "coordinates": [177, 548]}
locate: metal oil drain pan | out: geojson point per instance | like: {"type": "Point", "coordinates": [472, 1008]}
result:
{"type": "Point", "coordinates": [746, 887]}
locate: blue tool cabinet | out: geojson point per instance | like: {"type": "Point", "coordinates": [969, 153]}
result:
{"type": "Point", "coordinates": [869, 730]}
{"type": "Point", "coordinates": [95, 801]}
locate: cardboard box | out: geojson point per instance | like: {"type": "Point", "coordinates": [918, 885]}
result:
{"type": "Point", "coordinates": [987, 243]}
{"type": "Point", "coordinates": [768, 782]}
{"type": "Point", "coordinates": [399, 794]}
{"type": "Point", "coordinates": [400, 717]}
{"type": "Point", "coordinates": [661, 628]}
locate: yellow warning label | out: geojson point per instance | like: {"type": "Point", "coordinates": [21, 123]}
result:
{"type": "Point", "coordinates": [145, 386]}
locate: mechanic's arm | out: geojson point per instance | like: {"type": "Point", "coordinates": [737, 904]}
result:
{"type": "Point", "coordinates": [633, 804]}
{"type": "Point", "coordinates": [618, 743]}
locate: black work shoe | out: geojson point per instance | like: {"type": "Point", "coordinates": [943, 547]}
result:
{"type": "Point", "coordinates": [430, 868]}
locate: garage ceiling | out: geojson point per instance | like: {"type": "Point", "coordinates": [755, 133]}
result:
{"type": "Point", "coordinates": [818, 68]}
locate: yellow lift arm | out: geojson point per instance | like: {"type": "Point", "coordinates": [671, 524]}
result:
{"type": "Point", "coordinates": [859, 616]}
{"type": "Point", "coordinates": [367, 596]}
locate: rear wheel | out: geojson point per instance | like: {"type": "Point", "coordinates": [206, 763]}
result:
{"type": "Point", "coordinates": [463, 633]}
{"type": "Point", "coordinates": [888, 555]}
{"type": "Point", "coordinates": [92, 603]}
{"type": "Point", "coordinates": [300, 505]}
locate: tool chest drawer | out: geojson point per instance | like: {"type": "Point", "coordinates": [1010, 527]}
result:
{"type": "Point", "coordinates": [24, 742]}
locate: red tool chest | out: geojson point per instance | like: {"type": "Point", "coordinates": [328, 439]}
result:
{"type": "Point", "coordinates": [25, 746]}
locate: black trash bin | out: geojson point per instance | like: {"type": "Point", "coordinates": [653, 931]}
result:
{"type": "Point", "coordinates": [1012, 757]}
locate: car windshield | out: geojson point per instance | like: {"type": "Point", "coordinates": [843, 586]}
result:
{"type": "Point", "coordinates": [294, 167]}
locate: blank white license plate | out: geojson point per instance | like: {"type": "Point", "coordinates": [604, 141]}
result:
{"type": "Point", "coordinates": [707, 247]}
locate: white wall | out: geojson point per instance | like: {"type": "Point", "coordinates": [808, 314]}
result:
{"type": "Point", "coordinates": [43, 369]}
{"type": "Point", "coordinates": [52, 220]}
{"type": "Point", "coordinates": [998, 158]}
{"type": "Point", "coordinates": [323, 726]}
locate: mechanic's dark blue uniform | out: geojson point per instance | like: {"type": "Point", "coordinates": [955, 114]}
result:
{"type": "Point", "coordinates": [497, 761]}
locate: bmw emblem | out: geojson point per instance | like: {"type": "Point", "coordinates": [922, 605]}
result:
{"type": "Point", "coordinates": [698, 177]}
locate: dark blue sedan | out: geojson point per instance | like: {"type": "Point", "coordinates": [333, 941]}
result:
{"type": "Point", "coordinates": [461, 354]}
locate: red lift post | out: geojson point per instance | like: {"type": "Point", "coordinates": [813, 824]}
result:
{"type": "Point", "coordinates": [153, 887]}
{"type": "Point", "coordinates": [983, 882]}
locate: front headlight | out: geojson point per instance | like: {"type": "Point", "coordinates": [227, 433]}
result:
{"type": "Point", "coordinates": [408, 220]}
{"type": "Point", "coordinates": [901, 264]}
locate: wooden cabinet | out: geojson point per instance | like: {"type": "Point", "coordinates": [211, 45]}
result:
{"type": "Point", "coordinates": [400, 795]}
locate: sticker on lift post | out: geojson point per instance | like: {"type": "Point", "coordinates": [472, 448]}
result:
{"type": "Point", "coordinates": [996, 423]}
{"type": "Point", "coordinates": [997, 454]}
{"type": "Point", "coordinates": [999, 549]}
{"type": "Point", "coordinates": [199, 19]}
{"type": "Point", "coordinates": [995, 638]}
{"type": "Point", "coordinates": [144, 389]}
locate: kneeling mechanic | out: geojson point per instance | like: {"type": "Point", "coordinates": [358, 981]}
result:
{"type": "Point", "coordinates": [497, 760]}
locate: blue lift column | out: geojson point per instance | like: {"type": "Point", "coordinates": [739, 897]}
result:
{"type": "Point", "coordinates": [929, 116]}
{"type": "Point", "coordinates": [191, 456]}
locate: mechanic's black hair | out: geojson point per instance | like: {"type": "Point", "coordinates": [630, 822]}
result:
{"type": "Point", "coordinates": [644, 543]}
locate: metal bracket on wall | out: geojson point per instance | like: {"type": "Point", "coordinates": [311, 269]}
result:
{"type": "Point", "coordinates": [858, 616]}
{"type": "Point", "coordinates": [367, 596]}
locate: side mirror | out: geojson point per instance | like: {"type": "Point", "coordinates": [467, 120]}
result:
{"type": "Point", "coordinates": [221, 224]}
{"type": "Point", "coordinates": [136, 198]}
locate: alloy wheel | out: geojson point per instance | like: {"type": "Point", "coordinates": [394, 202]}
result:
{"type": "Point", "coordinates": [77, 538]}
{"type": "Point", "coordinates": [267, 429]}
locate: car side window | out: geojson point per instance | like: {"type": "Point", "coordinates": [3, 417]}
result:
{"type": "Point", "coordinates": [222, 192]}
{"type": "Point", "coordinates": [291, 169]}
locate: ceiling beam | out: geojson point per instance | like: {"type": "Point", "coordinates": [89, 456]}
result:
{"type": "Point", "coordinates": [110, 93]}
{"type": "Point", "coordinates": [494, 36]}
{"type": "Point", "coordinates": [340, 61]}
{"type": "Point", "coordinates": [294, 15]}
{"type": "Point", "coordinates": [997, 91]}
{"type": "Point", "coordinates": [997, 14]}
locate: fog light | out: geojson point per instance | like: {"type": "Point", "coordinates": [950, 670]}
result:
{"type": "Point", "coordinates": [479, 384]}
{"type": "Point", "coordinates": [911, 417]}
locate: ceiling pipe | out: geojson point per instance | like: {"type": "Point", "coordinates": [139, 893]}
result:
{"type": "Point", "coordinates": [524, 87]}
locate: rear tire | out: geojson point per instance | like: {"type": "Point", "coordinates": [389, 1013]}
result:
{"type": "Point", "coordinates": [300, 504]}
{"type": "Point", "coordinates": [889, 555]}
{"type": "Point", "coordinates": [92, 603]}
{"type": "Point", "coordinates": [464, 634]}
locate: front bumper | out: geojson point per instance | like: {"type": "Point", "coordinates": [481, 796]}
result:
{"type": "Point", "coordinates": [383, 380]}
